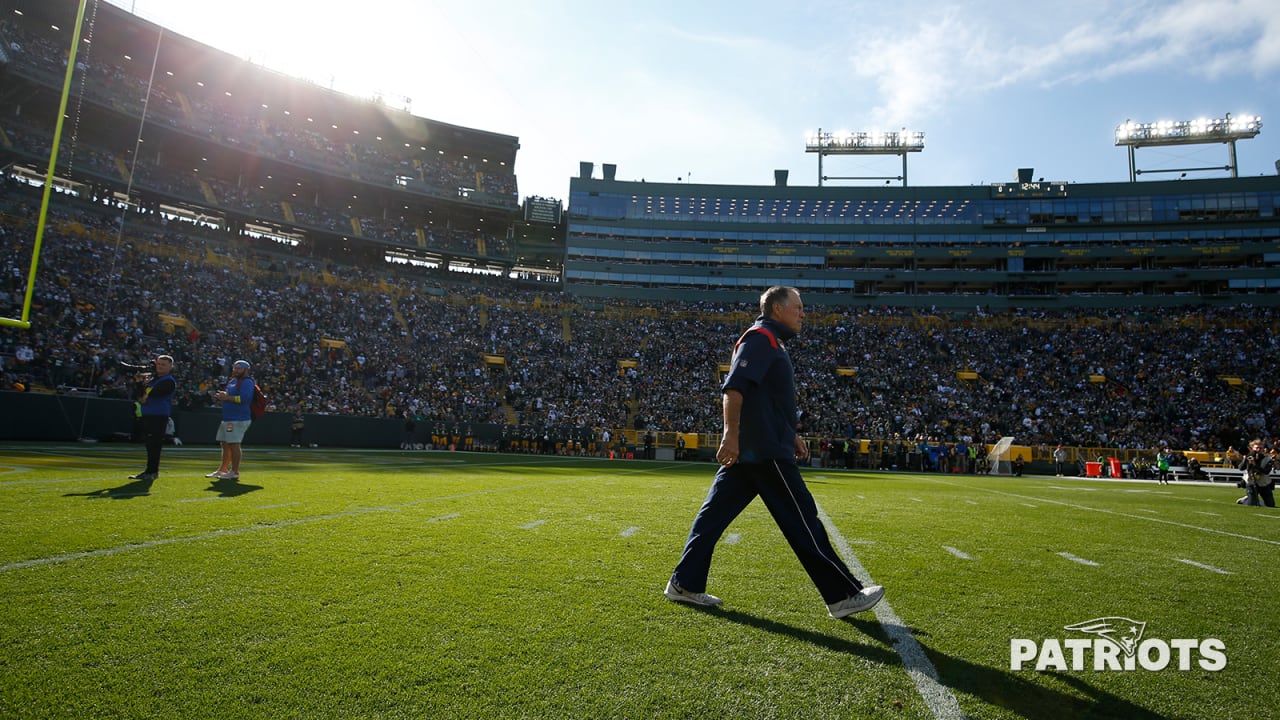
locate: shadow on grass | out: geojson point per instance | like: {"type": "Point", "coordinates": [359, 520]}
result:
{"type": "Point", "coordinates": [230, 488]}
{"type": "Point", "coordinates": [996, 686]}
{"type": "Point", "coordinates": [128, 491]}
{"type": "Point", "coordinates": [1012, 691]}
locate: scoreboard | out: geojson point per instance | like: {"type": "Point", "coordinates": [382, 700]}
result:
{"type": "Point", "coordinates": [1029, 190]}
{"type": "Point", "coordinates": [542, 210]}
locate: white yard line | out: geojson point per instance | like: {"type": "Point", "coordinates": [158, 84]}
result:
{"type": "Point", "coordinates": [732, 538]}
{"type": "Point", "coordinates": [533, 524]}
{"type": "Point", "coordinates": [1202, 566]}
{"type": "Point", "coordinates": [1076, 559]}
{"type": "Point", "coordinates": [942, 703]}
{"type": "Point", "coordinates": [958, 553]}
{"type": "Point", "coordinates": [629, 531]}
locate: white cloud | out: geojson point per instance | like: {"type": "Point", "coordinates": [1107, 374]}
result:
{"type": "Point", "coordinates": [924, 66]}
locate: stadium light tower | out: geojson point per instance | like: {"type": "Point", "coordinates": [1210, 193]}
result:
{"type": "Point", "coordinates": [864, 143]}
{"type": "Point", "coordinates": [1188, 132]}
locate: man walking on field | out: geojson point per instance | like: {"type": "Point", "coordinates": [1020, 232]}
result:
{"type": "Point", "coordinates": [757, 456]}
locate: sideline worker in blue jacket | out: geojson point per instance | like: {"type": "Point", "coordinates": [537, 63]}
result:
{"type": "Point", "coordinates": [757, 456]}
{"type": "Point", "coordinates": [153, 407]}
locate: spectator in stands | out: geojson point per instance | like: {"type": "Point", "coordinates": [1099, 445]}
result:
{"type": "Point", "coordinates": [757, 455]}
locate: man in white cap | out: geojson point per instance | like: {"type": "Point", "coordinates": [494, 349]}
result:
{"type": "Point", "coordinates": [236, 419]}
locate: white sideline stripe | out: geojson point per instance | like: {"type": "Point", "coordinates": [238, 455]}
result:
{"type": "Point", "coordinates": [533, 524]}
{"type": "Point", "coordinates": [1202, 566]}
{"type": "Point", "coordinates": [732, 538]}
{"type": "Point", "coordinates": [629, 531]}
{"type": "Point", "coordinates": [1080, 560]}
{"type": "Point", "coordinates": [942, 703]}
{"type": "Point", "coordinates": [1114, 512]}
{"type": "Point", "coordinates": [958, 553]}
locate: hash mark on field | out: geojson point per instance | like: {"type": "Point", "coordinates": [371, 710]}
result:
{"type": "Point", "coordinates": [1206, 512]}
{"type": "Point", "coordinates": [732, 538]}
{"type": "Point", "coordinates": [971, 502]}
{"type": "Point", "coordinates": [629, 531]}
{"type": "Point", "coordinates": [533, 524]}
{"type": "Point", "coordinates": [1029, 505]}
{"type": "Point", "coordinates": [1075, 559]}
{"type": "Point", "coordinates": [917, 500]}
{"type": "Point", "coordinates": [439, 518]}
{"type": "Point", "coordinates": [1202, 566]}
{"type": "Point", "coordinates": [958, 553]}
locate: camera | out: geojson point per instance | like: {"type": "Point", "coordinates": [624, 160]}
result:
{"type": "Point", "coordinates": [130, 367]}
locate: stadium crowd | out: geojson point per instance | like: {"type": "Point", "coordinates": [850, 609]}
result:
{"type": "Point", "coordinates": [347, 340]}
{"type": "Point", "coordinates": [342, 339]}
{"type": "Point", "coordinates": [240, 121]}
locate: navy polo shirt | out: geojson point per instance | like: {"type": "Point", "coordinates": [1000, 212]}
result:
{"type": "Point", "coordinates": [761, 370]}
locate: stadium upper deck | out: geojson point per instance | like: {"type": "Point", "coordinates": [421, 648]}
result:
{"type": "Point", "coordinates": [1042, 244]}
{"type": "Point", "coordinates": [209, 138]}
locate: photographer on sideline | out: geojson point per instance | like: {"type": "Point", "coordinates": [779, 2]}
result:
{"type": "Point", "coordinates": [156, 387]}
{"type": "Point", "coordinates": [1257, 475]}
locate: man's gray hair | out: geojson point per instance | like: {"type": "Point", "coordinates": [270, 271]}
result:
{"type": "Point", "coordinates": [776, 295]}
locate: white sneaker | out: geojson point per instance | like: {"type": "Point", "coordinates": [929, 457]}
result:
{"type": "Point", "coordinates": [228, 476]}
{"type": "Point", "coordinates": [864, 600]}
{"type": "Point", "coordinates": [213, 474]}
{"type": "Point", "coordinates": [679, 594]}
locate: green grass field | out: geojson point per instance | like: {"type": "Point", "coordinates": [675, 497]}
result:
{"type": "Point", "coordinates": [346, 584]}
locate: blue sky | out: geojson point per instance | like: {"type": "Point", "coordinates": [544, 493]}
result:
{"type": "Point", "coordinates": [725, 92]}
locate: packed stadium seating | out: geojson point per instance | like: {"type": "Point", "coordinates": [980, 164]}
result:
{"type": "Point", "coordinates": [332, 328]}
{"type": "Point", "coordinates": [343, 339]}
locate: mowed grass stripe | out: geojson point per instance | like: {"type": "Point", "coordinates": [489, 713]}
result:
{"type": "Point", "coordinates": [269, 525]}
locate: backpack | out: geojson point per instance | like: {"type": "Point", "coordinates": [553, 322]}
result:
{"type": "Point", "coordinates": [258, 406]}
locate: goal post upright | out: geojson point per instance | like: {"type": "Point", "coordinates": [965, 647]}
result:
{"type": "Point", "coordinates": [25, 321]}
